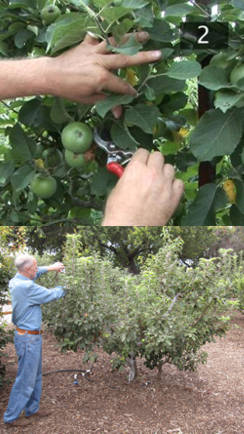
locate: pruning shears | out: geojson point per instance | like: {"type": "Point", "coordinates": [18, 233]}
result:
{"type": "Point", "coordinates": [116, 158]}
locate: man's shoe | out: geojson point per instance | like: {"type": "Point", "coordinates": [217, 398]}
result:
{"type": "Point", "coordinates": [40, 413]}
{"type": "Point", "coordinates": [17, 423]}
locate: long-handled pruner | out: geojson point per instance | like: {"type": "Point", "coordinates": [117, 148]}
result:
{"type": "Point", "coordinates": [116, 158]}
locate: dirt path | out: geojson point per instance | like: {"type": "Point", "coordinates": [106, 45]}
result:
{"type": "Point", "coordinates": [210, 401]}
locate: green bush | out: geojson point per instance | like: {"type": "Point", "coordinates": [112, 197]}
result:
{"type": "Point", "coordinates": [5, 335]}
{"type": "Point", "coordinates": [164, 315]}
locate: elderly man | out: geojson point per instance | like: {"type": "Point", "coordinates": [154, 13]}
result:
{"type": "Point", "coordinates": [27, 297]}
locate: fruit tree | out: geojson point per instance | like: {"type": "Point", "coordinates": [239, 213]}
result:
{"type": "Point", "coordinates": [189, 105]}
{"type": "Point", "coordinates": [163, 315]}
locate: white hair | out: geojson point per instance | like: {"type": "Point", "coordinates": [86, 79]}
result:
{"type": "Point", "coordinates": [22, 261]}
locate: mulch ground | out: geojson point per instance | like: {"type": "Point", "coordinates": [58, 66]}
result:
{"type": "Point", "coordinates": [209, 401]}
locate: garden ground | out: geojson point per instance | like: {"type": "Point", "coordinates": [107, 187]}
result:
{"type": "Point", "coordinates": [209, 401]}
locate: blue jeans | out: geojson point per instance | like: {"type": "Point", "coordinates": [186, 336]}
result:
{"type": "Point", "coordinates": [27, 388]}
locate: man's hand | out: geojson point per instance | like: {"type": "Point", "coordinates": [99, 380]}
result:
{"type": "Point", "coordinates": [146, 195]}
{"type": "Point", "coordinates": [80, 74]}
{"type": "Point", "coordinates": [58, 266]}
{"type": "Point", "coordinates": [83, 73]}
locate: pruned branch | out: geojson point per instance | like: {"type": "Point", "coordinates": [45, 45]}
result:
{"type": "Point", "coordinates": [172, 304]}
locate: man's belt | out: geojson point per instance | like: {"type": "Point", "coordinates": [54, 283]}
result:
{"type": "Point", "coordinates": [30, 332]}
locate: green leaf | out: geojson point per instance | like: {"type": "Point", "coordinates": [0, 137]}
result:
{"type": "Point", "coordinates": [161, 31]}
{"type": "Point", "coordinates": [121, 28]}
{"type": "Point", "coordinates": [14, 216]}
{"type": "Point", "coordinates": [114, 14]}
{"type": "Point", "coordinates": [239, 195]}
{"type": "Point", "coordinates": [174, 102]}
{"type": "Point", "coordinates": [134, 4]}
{"type": "Point", "coordinates": [213, 78]}
{"type": "Point", "coordinates": [226, 99]}
{"type": "Point", "coordinates": [145, 117]}
{"type": "Point", "coordinates": [3, 48]}
{"type": "Point", "coordinates": [21, 37]}
{"type": "Point", "coordinates": [130, 47]}
{"type": "Point", "coordinates": [144, 17]}
{"type": "Point", "coordinates": [6, 171]}
{"type": "Point", "coordinates": [221, 200]}
{"type": "Point", "coordinates": [81, 214]}
{"type": "Point", "coordinates": [184, 70]}
{"type": "Point", "coordinates": [122, 137]}
{"type": "Point", "coordinates": [150, 94]}
{"type": "Point", "coordinates": [103, 107]}
{"type": "Point", "coordinates": [22, 4]}
{"type": "Point", "coordinates": [19, 143]}
{"type": "Point", "coordinates": [34, 114]}
{"type": "Point", "coordinates": [201, 211]}
{"type": "Point", "coordinates": [191, 172]}
{"type": "Point", "coordinates": [170, 148]}
{"type": "Point", "coordinates": [58, 113]}
{"type": "Point", "coordinates": [165, 84]}
{"type": "Point", "coordinates": [216, 134]}
{"type": "Point", "coordinates": [22, 177]}
{"type": "Point", "coordinates": [68, 30]}
{"type": "Point", "coordinates": [237, 218]}
{"type": "Point", "coordinates": [102, 182]}
{"type": "Point", "coordinates": [178, 10]}
{"type": "Point", "coordinates": [99, 3]}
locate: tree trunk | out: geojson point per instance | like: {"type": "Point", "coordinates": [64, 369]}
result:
{"type": "Point", "coordinates": [207, 171]}
{"type": "Point", "coordinates": [132, 368]}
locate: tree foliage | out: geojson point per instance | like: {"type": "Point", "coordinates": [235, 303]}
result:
{"type": "Point", "coordinates": [163, 115]}
{"type": "Point", "coordinates": [129, 246]}
{"type": "Point", "coordinates": [10, 240]}
{"type": "Point", "coordinates": [163, 315]}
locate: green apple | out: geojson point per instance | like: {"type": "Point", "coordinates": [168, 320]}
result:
{"type": "Point", "coordinates": [49, 14]}
{"type": "Point", "coordinates": [74, 160]}
{"type": "Point", "coordinates": [43, 186]}
{"type": "Point", "coordinates": [77, 137]}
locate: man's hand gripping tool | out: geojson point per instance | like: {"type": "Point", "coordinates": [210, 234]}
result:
{"type": "Point", "coordinates": [116, 158]}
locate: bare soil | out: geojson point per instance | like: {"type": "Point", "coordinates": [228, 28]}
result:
{"type": "Point", "coordinates": [209, 401]}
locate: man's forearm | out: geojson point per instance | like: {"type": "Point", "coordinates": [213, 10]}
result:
{"type": "Point", "coordinates": [58, 266]}
{"type": "Point", "coordinates": [24, 77]}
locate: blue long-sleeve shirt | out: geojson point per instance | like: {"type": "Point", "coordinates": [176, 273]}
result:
{"type": "Point", "coordinates": [27, 297]}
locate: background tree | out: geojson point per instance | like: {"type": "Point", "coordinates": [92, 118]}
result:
{"type": "Point", "coordinates": [164, 315]}
{"type": "Point", "coordinates": [11, 239]}
{"type": "Point", "coordinates": [201, 242]}
{"type": "Point", "coordinates": [129, 247]}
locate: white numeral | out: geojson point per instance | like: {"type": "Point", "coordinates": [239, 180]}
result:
{"type": "Point", "coordinates": [201, 39]}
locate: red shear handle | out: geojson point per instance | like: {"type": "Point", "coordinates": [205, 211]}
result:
{"type": "Point", "coordinates": [115, 168]}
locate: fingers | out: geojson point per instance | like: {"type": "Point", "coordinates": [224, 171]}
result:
{"type": "Point", "coordinates": [178, 188]}
{"type": "Point", "coordinates": [156, 160]}
{"type": "Point", "coordinates": [140, 155]}
{"type": "Point", "coordinates": [115, 61]}
{"type": "Point", "coordinates": [89, 99]}
{"type": "Point", "coordinates": [91, 39]}
{"type": "Point", "coordinates": [117, 85]}
{"type": "Point", "coordinates": [168, 173]}
{"type": "Point", "coordinates": [139, 36]}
